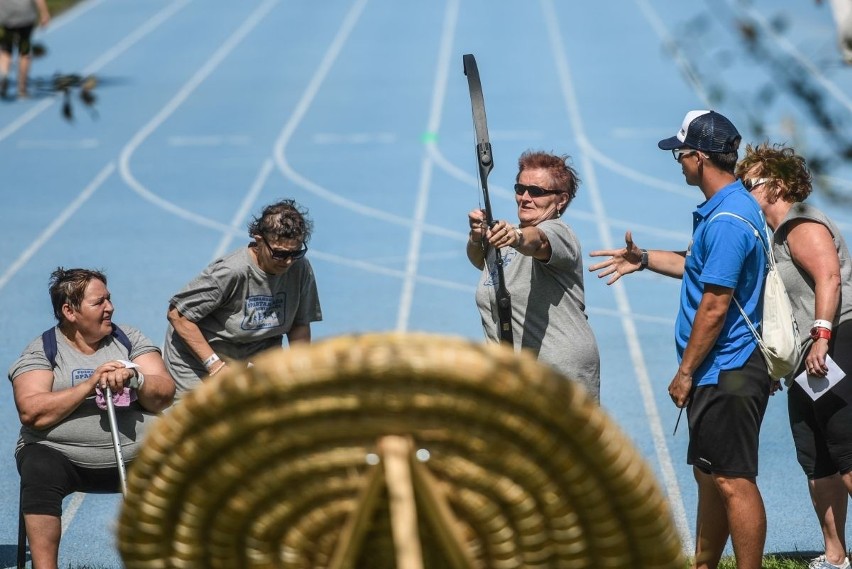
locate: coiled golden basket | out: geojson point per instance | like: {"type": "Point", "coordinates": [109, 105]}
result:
{"type": "Point", "coordinates": [287, 464]}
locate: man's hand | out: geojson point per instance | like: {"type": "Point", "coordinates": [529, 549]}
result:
{"type": "Point", "coordinates": [680, 388]}
{"type": "Point", "coordinates": [621, 261]}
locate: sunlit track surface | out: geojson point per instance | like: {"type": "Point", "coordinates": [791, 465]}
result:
{"type": "Point", "coordinates": [359, 110]}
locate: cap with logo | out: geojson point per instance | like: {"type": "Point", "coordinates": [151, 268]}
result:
{"type": "Point", "coordinates": [707, 131]}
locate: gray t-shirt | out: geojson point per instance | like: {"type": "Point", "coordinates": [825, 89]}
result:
{"type": "Point", "coordinates": [799, 284]}
{"type": "Point", "coordinates": [241, 311]}
{"type": "Point", "coordinates": [548, 306]}
{"type": "Point", "coordinates": [17, 13]}
{"type": "Point", "coordinates": [84, 436]}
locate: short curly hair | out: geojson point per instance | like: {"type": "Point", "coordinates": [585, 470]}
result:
{"type": "Point", "coordinates": [563, 177]}
{"type": "Point", "coordinates": [282, 220]}
{"type": "Point", "coordinates": [788, 174]}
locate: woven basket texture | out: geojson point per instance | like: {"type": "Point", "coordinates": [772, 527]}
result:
{"type": "Point", "coordinates": [262, 466]}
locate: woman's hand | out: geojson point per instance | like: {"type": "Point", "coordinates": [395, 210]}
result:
{"type": "Point", "coordinates": [476, 221]}
{"type": "Point", "coordinates": [621, 261]}
{"type": "Point", "coordinates": [503, 234]}
{"type": "Point", "coordinates": [815, 360]}
{"type": "Point", "coordinates": [113, 375]}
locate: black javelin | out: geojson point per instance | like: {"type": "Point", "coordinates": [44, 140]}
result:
{"type": "Point", "coordinates": [483, 156]}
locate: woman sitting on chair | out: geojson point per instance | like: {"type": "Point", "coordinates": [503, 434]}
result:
{"type": "Point", "coordinates": [58, 382]}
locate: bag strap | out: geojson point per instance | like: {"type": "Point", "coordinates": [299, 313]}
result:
{"type": "Point", "coordinates": [769, 256]}
{"type": "Point", "coordinates": [48, 340]}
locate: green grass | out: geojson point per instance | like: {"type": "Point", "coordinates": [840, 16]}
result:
{"type": "Point", "coordinates": [772, 562]}
{"type": "Point", "coordinates": [57, 6]}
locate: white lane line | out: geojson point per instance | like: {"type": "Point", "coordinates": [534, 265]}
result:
{"type": "Point", "coordinates": [209, 140]}
{"type": "Point", "coordinates": [68, 16]}
{"type": "Point", "coordinates": [671, 45]}
{"type": "Point", "coordinates": [56, 224]}
{"type": "Point", "coordinates": [794, 52]}
{"type": "Point", "coordinates": [354, 138]}
{"type": "Point", "coordinates": [215, 60]}
{"type": "Point", "coordinates": [133, 38]}
{"type": "Point", "coordinates": [71, 510]}
{"type": "Point", "coordinates": [628, 322]}
{"type": "Point", "coordinates": [439, 91]}
{"type": "Point", "coordinates": [302, 107]}
{"type": "Point", "coordinates": [118, 49]}
{"type": "Point", "coordinates": [56, 144]}
{"type": "Point", "coordinates": [245, 207]}
{"type": "Point", "coordinates": [380, 270]}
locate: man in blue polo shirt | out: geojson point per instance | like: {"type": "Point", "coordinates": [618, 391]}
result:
{"type": "Point", "coordinates": [722, 378]}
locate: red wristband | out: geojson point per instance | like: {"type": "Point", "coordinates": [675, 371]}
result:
{"type": "Point", "coordinates": [817, 333]}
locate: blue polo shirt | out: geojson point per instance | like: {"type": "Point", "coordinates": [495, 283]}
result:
{"type": "Point", "coordinates": [726, 252]}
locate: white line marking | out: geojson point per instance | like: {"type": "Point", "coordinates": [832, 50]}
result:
{"type": "Point", "coordinates": [69, 16]}
{"type": "Point", "coordinates": [215, 60]}
{"type": "Point", "coordinates": [299, 113]}
{"type": "Point", "coordinates": [669, 42]}
{"type": "Point", "coordinates": [791, 49]}
{"type": "Point", "coordinates": [245, 207]}
{"type": "Point", "coordinates": [71, 510]}
{"type": "Point", "coordinates": [438, 96]}
{"type": "Point", "coordinates": [131, 39]}
{"type": "Point", "coordinates": [84, 144]}
{"type": "Point", "coordinates": [354, 138]}
{"type": "Point", "coordinates": [92, 68]}
{"type": "Point", "coordinates": [56, 224]}
{"type": "Point", "coordinates": [627, 320]}
{"type": "Point", "coordinates": [209, 140]}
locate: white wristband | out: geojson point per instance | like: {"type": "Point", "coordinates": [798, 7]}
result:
{"type": "Point", "coordinates": [822, 324]}
{"type": "Point", "coordinates": [137, 381]}
{"type": "Point", "coordinates": [208, 363]}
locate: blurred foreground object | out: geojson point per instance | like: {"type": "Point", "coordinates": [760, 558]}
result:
{"type": "Point", "coordinates": [392, 450]}
{"type": "Point", "coordinates": [841, 10]}
{"type": "Point", "coordinates": [65, 84]}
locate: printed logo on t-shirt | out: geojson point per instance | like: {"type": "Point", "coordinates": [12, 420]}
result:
{"type": "Point", "coordinates": [508, 255]}
{"type": "Point", "coordinates": [78, 376]}
{"type": "Point", "coordinates": [263, 312]}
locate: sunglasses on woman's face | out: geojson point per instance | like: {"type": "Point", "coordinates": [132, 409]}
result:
{"type": "Point", "coordinates": [752, 183]}
{"type": "Point", "coordinates": [533, 191]}
{"type": "Point", "coordinates": [282, 255]}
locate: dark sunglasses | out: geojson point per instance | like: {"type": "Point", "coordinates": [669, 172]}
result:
{"type": "Point", "coordinates": [533, 191]}
{"type": "Point", "coordinates": [752, 183]}
{"type": "Point", "coordinates": [281, 255]}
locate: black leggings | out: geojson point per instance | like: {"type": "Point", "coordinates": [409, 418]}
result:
{"type": "Point", "coordinates": [822, 429]}
{"type": "Point", "coordinates": [47, 476]}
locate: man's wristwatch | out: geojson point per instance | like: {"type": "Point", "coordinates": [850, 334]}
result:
{"type": "Point", "coordinates": [643, 260]}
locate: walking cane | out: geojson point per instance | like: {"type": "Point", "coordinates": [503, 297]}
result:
{"type": "Point", "coordinates": [113, 427]}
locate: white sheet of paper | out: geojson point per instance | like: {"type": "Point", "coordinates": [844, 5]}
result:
{"type": "Point", "coordinates": [128, 363]}
{"type": "Point", "coordinates": [816, 386]}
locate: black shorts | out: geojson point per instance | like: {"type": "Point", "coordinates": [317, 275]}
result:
{"type": "Point", "coordinates": [16, 37]}
{"type": "Point", "coordinates": [47, 476]}
{"type": "Point", "coordinates": [822, 429]}
{"type": "Point", "coordinates": [724, 420]}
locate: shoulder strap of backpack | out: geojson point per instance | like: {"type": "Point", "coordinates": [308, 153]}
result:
{"type": "Point", "coordinates": [48, 340]}
{"type": "Point", "coordinates": [769, 257]}
{"type": "Point", "coordinates": [767, 249]}
{"type": "Point", "coordinates": [119, 335]}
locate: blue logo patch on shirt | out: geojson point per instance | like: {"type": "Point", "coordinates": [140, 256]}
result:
{"type": "Point", "coordinates": [263, 312]}
{"type": "Point", "coordinates": [78, 376]}
{"type": "Point", "coordinates": [492, 266]}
